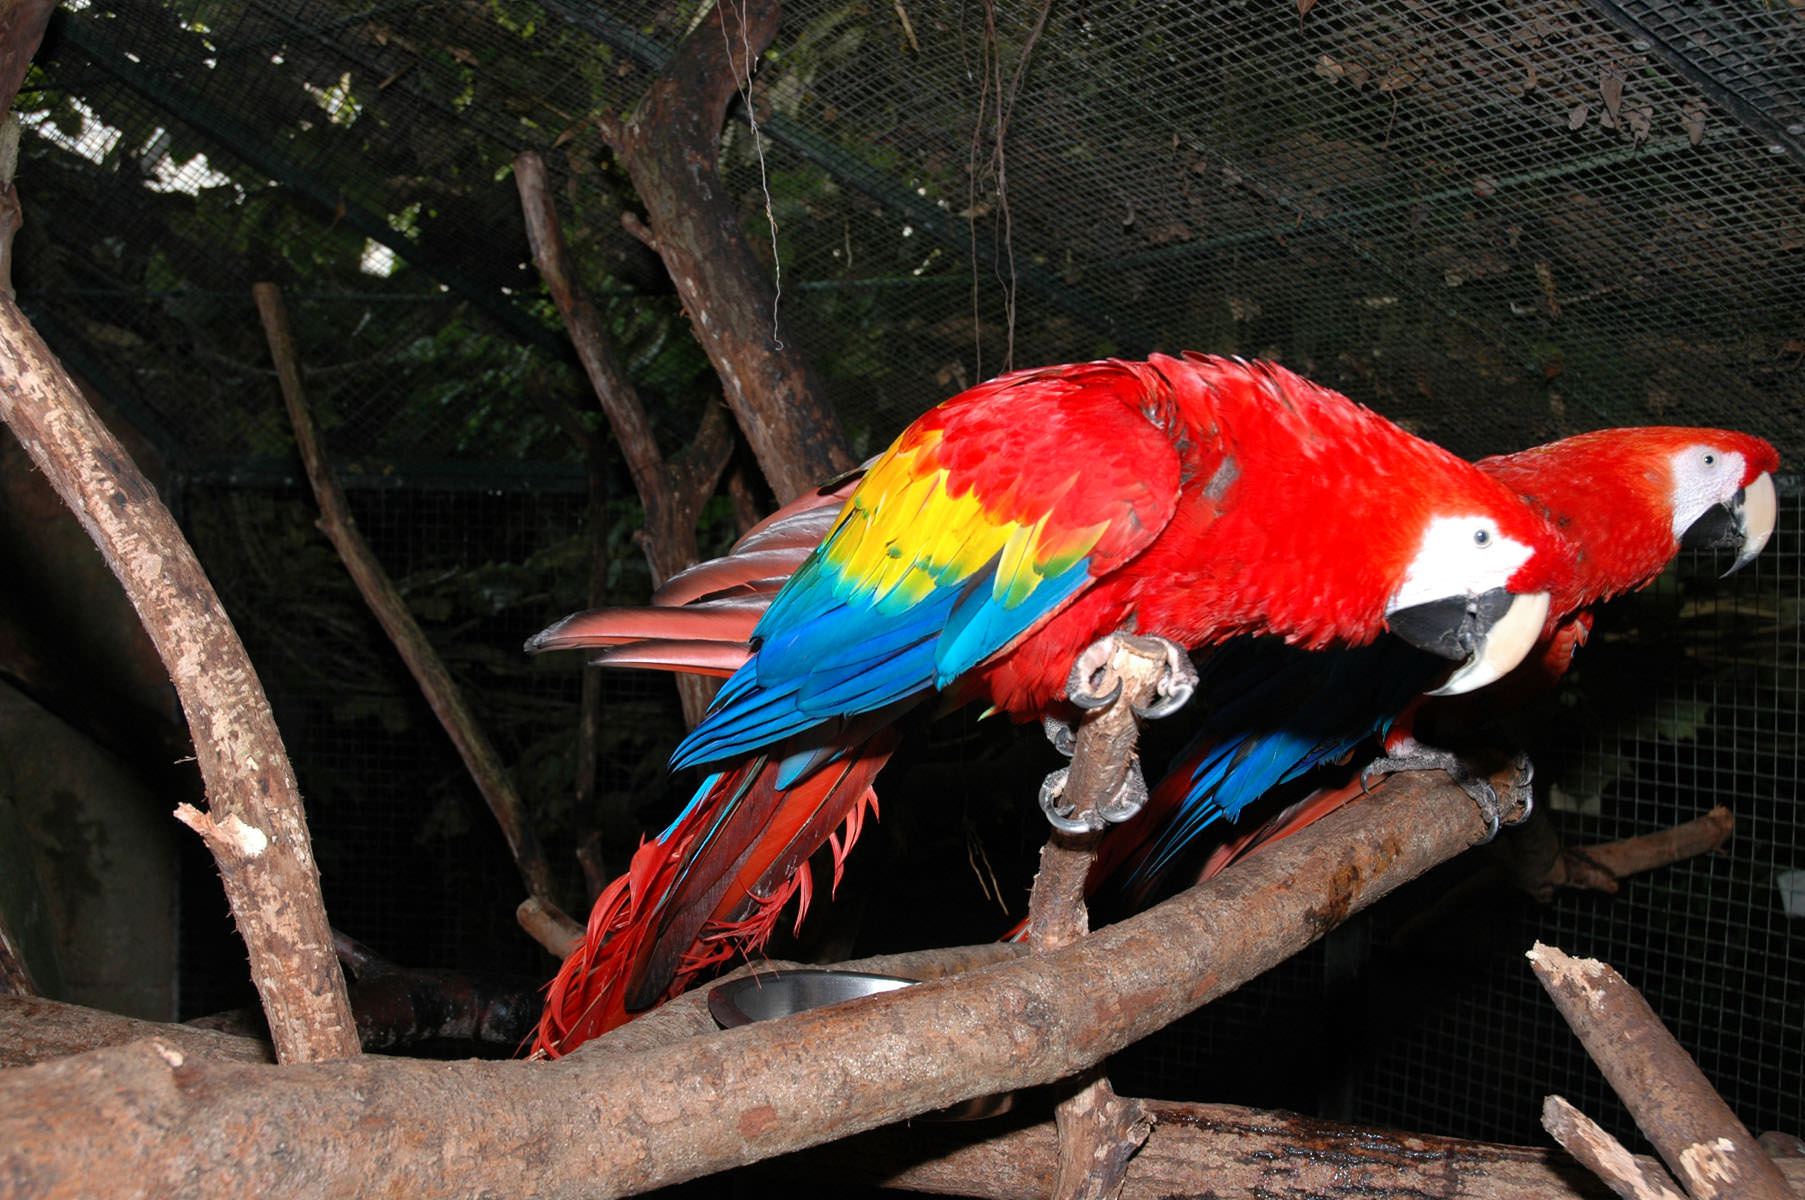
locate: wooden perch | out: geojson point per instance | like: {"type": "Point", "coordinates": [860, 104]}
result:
{"type": "Point", "coordinates": [605, 1121]}
{"type": "Point", "coordinates": [669, 148]}
{"type": "Point", "coordinates": [1541, 865]}
{"type": "Point", "coordinates": [256, 827]}
{"type": "Point", "coordinates": [1703, 1143]}
{"type": "Point", "coordinates": [35, 1030]}
{"type": "Point", "coordinates": [1203, 1150]}
{"type": "Point", "coordinates": [1099, 1131]}
{"type": "Point", "coordinates": [385, 602]}
{"type": "Point", "coordinates": [548, 925]}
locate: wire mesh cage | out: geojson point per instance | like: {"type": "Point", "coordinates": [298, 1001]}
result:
{"type": "Point", "coordinates": [1494, 222]}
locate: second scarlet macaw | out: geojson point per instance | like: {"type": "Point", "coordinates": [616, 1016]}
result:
{"type": "Point", "coordinates": [1628, 499]}
{"type": "Point", "coordinates": [1193, 499]}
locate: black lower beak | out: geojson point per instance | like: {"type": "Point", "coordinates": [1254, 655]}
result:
{"type": "Point", "coordinates": [1451, 628]}
{"type": "Point", "coordinates": [1719, 527]}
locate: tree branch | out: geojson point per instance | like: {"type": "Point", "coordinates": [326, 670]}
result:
{"type": "Point", "coordinates": [1540, 864]}
{"type": "Point", "coordinates": [669, 148]}
{"type": "Point", "coordinates": [1099, 1131]}
{"type": "Point", "coordinates": [256, 828]}
{"type": "Point", "coordinates": [671, 494]}
{"type": "Point", "coordinates": [391, 612]}
{"type": "Point", "coordinates": [610, 1121]}
{"type": "Point", "coordinates": [1204, 1150]}
{"type": "Point", "coordinates": [1701, 1140]}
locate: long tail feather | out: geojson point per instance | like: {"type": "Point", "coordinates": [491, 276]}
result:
{"type": "Point", "coordinates": [710, 888]}
{"type": "Point", "coordinates": [725, 620]}
{"type": "Point", "coordinates": [676, 654]}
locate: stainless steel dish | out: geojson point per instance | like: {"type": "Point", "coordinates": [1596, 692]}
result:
{"type": "Point", "coordinates": [768, 995]}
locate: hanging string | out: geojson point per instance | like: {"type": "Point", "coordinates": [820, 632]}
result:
{"type": "Point", "coordinates": [758, 146]}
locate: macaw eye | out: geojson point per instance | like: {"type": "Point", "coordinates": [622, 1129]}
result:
{"type": "Point", "coordinates": [1482, 538]}
{"type": "Point", "coordinates": [1710, 459]}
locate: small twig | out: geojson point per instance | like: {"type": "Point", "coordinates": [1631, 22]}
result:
{"type": "Point", "coordinates": [548, 925]}
{"type": "Point", "coordinates": [1645, 852]}
{"type": "Point", "coordinates": [1701, 1140]}
{"type": "Point", "coordinates": [15, 972]}
{"type": "Point", "coordinates": [385, 602]}
{"type": "Point", "coordinates": [1604, 1156]}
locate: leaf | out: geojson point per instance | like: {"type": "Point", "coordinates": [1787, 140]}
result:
{"type": "Point", "coordinates": [1611, 87]}
{"type": "Point", "coordinates": [1640, 121]}
{"type": "Point", "coordinates": [1694, 121]}
{"type": "Point", "coordinates": [1577, 117]}
{"type": "Point", "coordinates": [1304, 7]}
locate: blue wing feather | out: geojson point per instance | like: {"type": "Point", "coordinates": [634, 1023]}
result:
{"type": "Point", "coordinates": [1293, 710]}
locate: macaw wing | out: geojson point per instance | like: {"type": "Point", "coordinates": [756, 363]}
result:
{"type": "Point", "coordinates": [982, 521]}
{"type": "Point", "coordinates": [1290, 711]}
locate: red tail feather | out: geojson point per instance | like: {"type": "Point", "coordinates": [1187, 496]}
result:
{"type": "Point", "coordinates": [684, 907]}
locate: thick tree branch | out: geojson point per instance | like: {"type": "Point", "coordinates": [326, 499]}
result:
{"type": "Point", "coordinates": [256, 828]}
{"type": "Point", "coordinates": [391, 612]}
{"type": "Point", "coordinates": [604, 1121]}
{"type": "Point", "coordinates": [1708, 1149]}
{"type": "Point", "coordinates": [669, 148]}
{"type": "Point", "coordinates": [1206, 1150]}
{"type": "Point", "coordinates": [35, 1030]}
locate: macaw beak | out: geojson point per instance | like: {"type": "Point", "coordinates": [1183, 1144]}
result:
{"type": "Point", "coordinates": [1742, 523]}
{"type": "Point", "coordinates": [1487, 634]}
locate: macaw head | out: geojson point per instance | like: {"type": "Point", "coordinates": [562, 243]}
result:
{"type": "Point", "coordinates": [1477, 588]}
{"type": "Point", "coordinates": [1629, 499]}
{"type": "Point", "coordinates": [1720, 490]}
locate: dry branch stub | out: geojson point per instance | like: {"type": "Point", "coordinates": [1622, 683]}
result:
{"type": "Point", "coordinates": [1708, 1149]}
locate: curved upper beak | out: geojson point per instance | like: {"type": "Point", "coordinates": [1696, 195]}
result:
{"type": "Point", "coordinates": [1487, 634]}
{"type": "Point", "coordinates": [1742, 523]}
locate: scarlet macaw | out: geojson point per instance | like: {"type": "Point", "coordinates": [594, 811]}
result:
{"type": "Point", "coordinates": [1628, 499]}
{"type": "Point", "coordinates": [1193, 499]}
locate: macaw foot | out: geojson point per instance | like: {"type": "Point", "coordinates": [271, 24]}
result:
{"type": "Point", "coordinates": [1127, 801]}
{"type": "Point", "coordinates": [1415, 756]}
{"type": "Point", "coordinates": [1094, 683]}
{"type": "Point", "coordinates": [1162, 679]}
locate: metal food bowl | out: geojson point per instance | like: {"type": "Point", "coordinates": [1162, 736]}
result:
{"type": "Point", "coordinates": [767, 995]}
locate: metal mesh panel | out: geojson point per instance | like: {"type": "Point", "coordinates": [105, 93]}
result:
{"type": "Point", "coordinates": [1496, 222]}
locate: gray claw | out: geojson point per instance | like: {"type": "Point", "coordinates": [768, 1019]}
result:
{"type": "Point", "coordinates": [1426, 758]}
{"type": "Point", "coordinates": [1061, 734]}
{"type": "Point", "coordinates": [1176, 684]}
{"type": "Point", "coordinates": [1059, 815]}
{"type": "Point", "coordinates": [1128, 800]}
{"type": "Point", "coordinates": [1130, 797]}
{"type": "Point", "coordinates": [1092, 684]}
